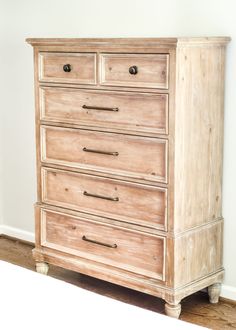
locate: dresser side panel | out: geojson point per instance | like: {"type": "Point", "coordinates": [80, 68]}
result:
{"type": "Point", "coordinates": [198, 254]}
{"type": "Point", "coordinates": [198, 136]}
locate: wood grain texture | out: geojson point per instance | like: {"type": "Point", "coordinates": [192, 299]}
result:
{"type": "Point", "coordinates": [195, 308]}
{"type": "Point", "coordinates": [66, 189]}
{"type": "Point", "coordinates": [66, 233]}
{"type": "Point", "coordinates": [214, 293]}
{"type": "Point", "coordinates": [83, 67]}
{"type": "Point", "coordinates": [179, 153]}
{"type": "Point", "coordinates": [42, 268]}
{"type": "Point", "coordinates": [198, 253]}
{"type": "Point", "coordinates": [138, 157]}
{"type": "Point", "coordinates": [173, 310]}
{"type": "Point", "coordinates": [152, 70]}
{"type": "Point", "coordinates": [198, 135]}
{"type": "Point", "coordinates": [129, 42]}
{"type": "Point", "coordinates": [37, 125]}
{"type": "Point", "coordinates": [136, 112]}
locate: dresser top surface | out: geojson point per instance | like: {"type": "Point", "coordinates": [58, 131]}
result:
{"type": "Point", "coordinates": [127, 41]}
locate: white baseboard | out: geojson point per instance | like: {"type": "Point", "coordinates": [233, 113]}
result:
{"type": "Point", "coordinates": [17, 233]}
{"type": "Point", "coordinates": [228, 292]}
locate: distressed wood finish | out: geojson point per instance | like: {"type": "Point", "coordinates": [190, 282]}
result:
{"type": "Point", "coordinates": [198, 136]}
{"type": "Point", "coordinates": [138, 157]}
{"type": "Point", "coordinates": [214, 293]}
{"type": "Point", "coordinates": [42, 268]}
{"type": "Point", "coordinates": [198, 252]}
{"type": "Point", "coordinates": [83, 68]}
{"type": "Point", "coordinates": [164, 179]}
{"type": "Point", "coordinates": [152, 70]}
{"type": "Point", "coordinates": [130, 203]}
{"type": "Point", "coordinates": [135, 112]}
{"type": "Point", "coordinates": [107, 244]}
{"type": "Point", "coordinates": [173, 310]}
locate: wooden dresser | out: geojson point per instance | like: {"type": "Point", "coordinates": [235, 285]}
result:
{"type": "Point", "coordinates": [129, 162]}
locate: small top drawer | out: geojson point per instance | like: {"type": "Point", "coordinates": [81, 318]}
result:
{"type": "Point", "coordinates": [135, 70]}
{"type": "Point", "coordinates": [78, 68]}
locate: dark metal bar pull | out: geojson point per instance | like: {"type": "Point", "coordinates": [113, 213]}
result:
{"type": "Point", "coordinates": [113, 246]}
{"type": "Point", "coordinates": [93, 107]}
{"type": "Point", "coordinates": [113, 199]}
{"type": "Point", "coordinates": [111, 153]}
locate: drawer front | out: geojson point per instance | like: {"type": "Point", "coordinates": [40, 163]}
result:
{"type": "Point", "coordinates": [134, 203]}
{"type": "Point", "coordinates": [137, 112]}
{"type": "Point", "coordinates": [126, 249]}
{"type": "Point", "coordinates": [135, 70]}
{"type": "Point", "coordinates": [79, 68]}
{"type": "Point", "coordinates": [117, 154]}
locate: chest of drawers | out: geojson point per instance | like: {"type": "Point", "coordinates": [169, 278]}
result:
{"type": "Point", "coordinates": [129, 162]}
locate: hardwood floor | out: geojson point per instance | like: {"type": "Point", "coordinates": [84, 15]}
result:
{"type": "Point", "coordinates": [195, 309]}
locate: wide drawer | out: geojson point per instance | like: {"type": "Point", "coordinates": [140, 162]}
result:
{"type": "Point", "coordinates": [79, 68]}
{"type": "Point", "coordinates": [117, 154]}
{"type": "Point", "coordinates": [135, 112]}
{"type": "Point", "coordinates": [129, 202]}
{"type": "Point", "coordinates": [126, 249]}
{"type": "Point", "coordinates": [135, 70]}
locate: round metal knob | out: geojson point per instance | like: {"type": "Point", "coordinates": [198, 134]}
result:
{"type": "Point", "coordinates": [67, 68]}
{"type": "Point", "coordinates": [133, 69]}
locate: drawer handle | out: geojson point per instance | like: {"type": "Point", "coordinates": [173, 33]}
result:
{"type": "Point", "coordinates": [67, 68]}
{"type": "Point", "coordinates": [133, 69]}
{"type": "Point", "coordinates": [113, 199]}
{"type": "Point", "coordinates": [93, 107]}
{"type": "Point", "coordinates": [113, 246]}
{"type": "Point", "coordinates": [111, 153]}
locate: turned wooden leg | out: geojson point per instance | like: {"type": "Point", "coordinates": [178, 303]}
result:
{"type": "Point", "coordinates": [42, 268]}
{"type": "Point", "coordinates": [173, 310]}
{"type": "Point", "coordinates": [214, 293]}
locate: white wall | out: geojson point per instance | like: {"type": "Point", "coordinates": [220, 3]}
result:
{"type": "Point", "coordinates": [1, 129]}
{"type": "Point", "coordinates": [1, 158]}
{"type": "Point", "coordinates": [103, 18]}
{"type": "Point", "coordinates": [1, 173]}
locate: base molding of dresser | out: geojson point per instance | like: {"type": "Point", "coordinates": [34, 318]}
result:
{"type": "Point", "coordinates": [172, 296]}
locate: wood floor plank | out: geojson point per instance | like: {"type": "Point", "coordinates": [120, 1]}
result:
{"type": "Point", "coordinates": [195, 309]}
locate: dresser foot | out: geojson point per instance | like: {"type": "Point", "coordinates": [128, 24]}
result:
{"type": "Point", "coordinates": [42, 268]}
{"type": "Point", "coordinates": [214, 293]}
{"type": "Point", "coordinates": [173, 310]}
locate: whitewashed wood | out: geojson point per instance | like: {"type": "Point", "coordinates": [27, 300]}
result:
{"type": "Point", "coordinates": [42, 268]}
{"type": "Point", "coordinates": [198, 135]}
{"type": "Point", "coordinates": [192, 167]}
{"type": "Point", "coordinates": [119, 276]}
{"type": "Point", "coordinates": [65, 233]}
{"type": "Point", "coordinates": [137, 112]}
{"type": "Point", "coordinates": [153, 70]}
{"type": "Point", "coordinates": [214, 293]}
{"type": "Point", "coordinates": [173, 310]}
{"type": "Point", "coordinates": [120, 43]}
{"type": "Point", "coordinates": [83, 67]}
{"type": "Point", "coordinates": [138, 157]}
{"type": "Point", "coordinates": [198, 253]}
{"type": "Point", "coordinates": [66, 189]}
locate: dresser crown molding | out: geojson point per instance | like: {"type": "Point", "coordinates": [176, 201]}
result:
{"type": "Point", "coordinates": [129, 147]}
{"type": "Point", "coordinates": [116, 42]}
